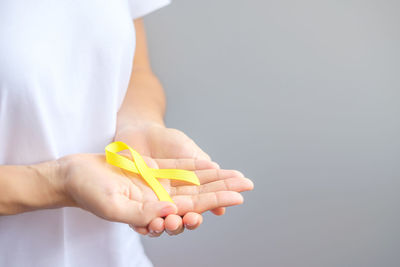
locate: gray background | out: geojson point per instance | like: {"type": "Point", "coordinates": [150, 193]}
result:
{"type": "Point", "coordinates": [303, 97]}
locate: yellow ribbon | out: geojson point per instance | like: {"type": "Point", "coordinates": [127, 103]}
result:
{"type": "Point", "coordinates": [138, 166]}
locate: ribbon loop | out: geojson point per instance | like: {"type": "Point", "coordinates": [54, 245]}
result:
{"type": "Point", "coordinates": [137, 165]}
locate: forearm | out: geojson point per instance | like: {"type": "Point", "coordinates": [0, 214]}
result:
{"type": "Point", "coordinates": [144, 101]}
{"type": "Point", "coordinates": [30, 187]}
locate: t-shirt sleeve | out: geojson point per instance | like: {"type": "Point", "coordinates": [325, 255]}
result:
{"type": "Point", "coordinates": [140, 8]}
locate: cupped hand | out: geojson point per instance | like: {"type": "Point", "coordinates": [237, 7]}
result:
{"type": "Point", "coordinates": [157, 141]}
{"type": "Point", "coordinates": [116, 195]}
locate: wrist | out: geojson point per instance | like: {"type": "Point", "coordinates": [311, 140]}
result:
{"type": "Point", "coordinates": [139, 124]}
{"type": "Point", "coordinates": [51, 175]}
{"type": "Point", "coordinates": [31, 187]}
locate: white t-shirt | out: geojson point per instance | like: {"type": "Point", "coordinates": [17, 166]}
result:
{"type": "Point", "coordinates": [64, 70]}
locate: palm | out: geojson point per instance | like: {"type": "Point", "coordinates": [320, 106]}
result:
{"type": "Point", "coordinates": [105, 181]}
{"type": "Point", "coordinates": [114, 194]}
{"type": "Point", "coordinates": [156, 141]}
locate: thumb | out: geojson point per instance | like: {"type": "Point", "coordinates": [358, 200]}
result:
{"type": "Point", "coordinates": [199, 153]}
{"type": "Point", "coordinates": [141, 214]}
{"type": "Point", "coordinates": [202, 155]}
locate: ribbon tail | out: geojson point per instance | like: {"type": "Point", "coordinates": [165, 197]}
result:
{"type": "Point", "coordinates": [173, 174]}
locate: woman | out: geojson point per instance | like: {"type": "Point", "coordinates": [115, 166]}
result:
{"type": "Point", "coordinates": [68, 88]}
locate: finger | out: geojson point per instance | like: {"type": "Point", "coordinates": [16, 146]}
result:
{"type": "Point", "coordinates": [138, 214]}
{"type": "Point", "coordinates": [192, 220]}
{"type": "Point", "coordinates": [173, 224]}
{"type": "Point", "coordinates": [231, 184]}
{"type": "Point", "coordinates": [140, 230]}
{"type": "Point", "coordinates": [211, 175]}
{"type": "Point", "coordinates": [217, 165]}
{"type": "Point", "coordinates": [207, 201]}
{"type": "Point", "coordinates": [195, 151]}
{"type": "Point", "coordinates": [186, 164]}
{"type": "Point", "coordinates": [200, 154]}
{"type": "Point", "coordinates": [156, 227]}
{"type": "Point", "coordinates": [150, 162]}
{"type": "Point", "coordinates": [218, 211]}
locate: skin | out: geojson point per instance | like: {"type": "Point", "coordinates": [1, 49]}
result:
{"type": "Point", "coordinates": [173, 144]}
{"type": "Point", "coordinates": [87, 181]}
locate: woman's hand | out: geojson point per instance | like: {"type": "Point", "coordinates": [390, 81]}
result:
{"type": "Point", "coordinates": [116, 195]}
{"type": "Point", "coordinates": [155, 140]}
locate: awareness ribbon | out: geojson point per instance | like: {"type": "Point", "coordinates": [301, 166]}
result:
{"type": "Point", "coordinates": [138, 166]}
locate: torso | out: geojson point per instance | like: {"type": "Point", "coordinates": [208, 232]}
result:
{"type": "Point", "coordinates": [64, 69]}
